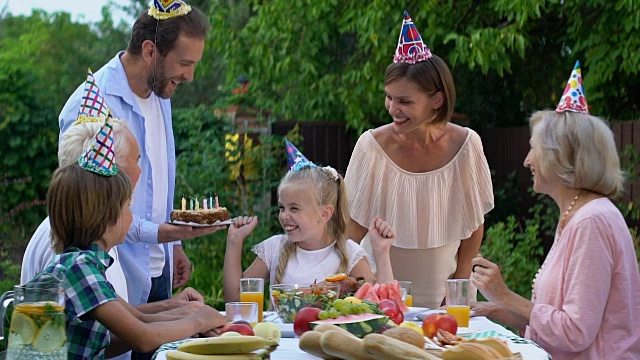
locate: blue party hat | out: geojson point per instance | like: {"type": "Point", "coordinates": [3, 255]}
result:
{"type": "Point", "coordinates": [295, 159]}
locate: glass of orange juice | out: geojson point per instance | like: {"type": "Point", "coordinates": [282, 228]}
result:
{"type": "Point", "coordinates": [405, 291]}
{"type": "Point", "coordinates": [252, 290]}
{"type": "Point", "coordinates": [458, 300]}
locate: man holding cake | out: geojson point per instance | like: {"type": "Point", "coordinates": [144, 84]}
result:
{"type": "Point", "coordinates": [167, 42]}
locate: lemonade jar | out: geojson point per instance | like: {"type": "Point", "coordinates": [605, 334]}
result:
{"type": "Point", "coordinates": [37, 329]}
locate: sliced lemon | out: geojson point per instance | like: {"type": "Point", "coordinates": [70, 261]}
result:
{"type": "Point", "coordinates": [336, 277]}
{"type": "Point", "coordinates": [23, 327]}
{"type": "Point", "coordinates": [50, 338]}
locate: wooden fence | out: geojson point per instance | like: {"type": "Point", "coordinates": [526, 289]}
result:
{"type": "Point", "coordinates": [505, 149]}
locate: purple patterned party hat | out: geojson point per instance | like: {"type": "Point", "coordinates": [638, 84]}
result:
{"type": "Point", "coordinates": [295, 159]}
{"type": "Point", "coordinates": [166, 9]}
{"type": "Point", "coordinates": [573, 98]}
{"type": "Point", "coordinates": [410, 48]}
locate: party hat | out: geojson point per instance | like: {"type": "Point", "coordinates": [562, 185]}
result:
{"type": "Point", "coordinates": [166, 9]}
{"type": "Point", "coordinates": [92, 105]}
{"type": "Point", "coordinates": [295, 159]}
{"type": "Point", "coordinates": [573, 98]}
{"type": "Point", "coordinates": [410, 49]}
{"type": "Point", "coordinates": [100, 157]}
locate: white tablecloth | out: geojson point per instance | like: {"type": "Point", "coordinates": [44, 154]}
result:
{"type": "Point", "coordinates": [289, 350]}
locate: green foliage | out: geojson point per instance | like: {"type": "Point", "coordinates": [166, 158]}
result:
{"type": "Point", "coordinates": [206, 163]}
{"type": "Point", "coordinates": [517, 251]}
{"type": "Point", "coordinates": [332, 69]}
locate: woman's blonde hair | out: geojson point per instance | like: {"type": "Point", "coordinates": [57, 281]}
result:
{"type": "Point", "coordinates": [326, 187]}
{"type": "Point", "coordinates": [81, 205]}
{"type": "Point", "coordinates": [580, 149]}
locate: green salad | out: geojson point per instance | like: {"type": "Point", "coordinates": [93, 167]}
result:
{"type": "Point", "coordinates": [289, 302]}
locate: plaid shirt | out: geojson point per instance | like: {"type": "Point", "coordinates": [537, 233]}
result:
{"type": "Point", "coordinates": [86, 288]}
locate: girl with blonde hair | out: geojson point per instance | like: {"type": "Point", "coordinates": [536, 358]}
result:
{"type": "Point", "coordinates": [314, 216]}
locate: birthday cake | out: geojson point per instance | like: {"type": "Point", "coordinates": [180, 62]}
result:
{"type": "Point", "coordinates": [201, 216]}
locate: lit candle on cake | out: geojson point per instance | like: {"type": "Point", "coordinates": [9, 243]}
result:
{"type": "Point", "coordinates": [184, 203]}
{"type": "Point", "coordinates": [210, 201]}
{"type": "Point", "coordinates": [191, 204]}
{"type": "Point", "coordinates": [204, 202]}
{"type": "Point", "coordinates": [217, 204]}
{"type": "Point", "coordinates": [197, 204]}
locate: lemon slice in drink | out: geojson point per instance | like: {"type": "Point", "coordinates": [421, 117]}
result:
{"type": "Point", "coordinates": [50, 338]}
{"type": "Point", "coordinates": [23, 328]}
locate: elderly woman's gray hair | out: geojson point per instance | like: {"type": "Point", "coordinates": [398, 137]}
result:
{"type": "Point", "coordinates": [580, 149]}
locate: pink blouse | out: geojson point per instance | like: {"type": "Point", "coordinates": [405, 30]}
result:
{"type": "Point", "coordinates": [587, 296]}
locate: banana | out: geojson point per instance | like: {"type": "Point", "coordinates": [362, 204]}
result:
{"type": "Point", "coordinates": [497, 345]}
{"type": "Point", "coordinates": [223, 345]}
{"type": "Point", "coordinates": [179, 355]}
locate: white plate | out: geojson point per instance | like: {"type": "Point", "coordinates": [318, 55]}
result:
{"type": "Point", "coordinates": [423, 314]}
{"type": "Point", "coordinates": [413, 311]}
{"type": "Point", "coordinates": [217, 223]}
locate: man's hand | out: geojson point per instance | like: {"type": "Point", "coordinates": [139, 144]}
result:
{"type": "Point", "coordinates": [181, 267]}
{"type": "Point", "coordinates": [190, 294]}
{"type": "Point", "coordinates": [170, 232]}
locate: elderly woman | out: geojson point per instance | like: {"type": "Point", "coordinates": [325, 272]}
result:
{"type": "Point", "coordinates": [586, 295]}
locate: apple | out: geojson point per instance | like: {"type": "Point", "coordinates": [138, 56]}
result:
{"type": "Point", "coordinates": [392, 310]}
{"type": "Point", "coordinates": [433, 322]}
{"type": "Point", "coordinates": [242, 322]}
{"type": "Point", "coordinates": [303, 318]}
{"type": "Point", "coordinates": [239, 328]}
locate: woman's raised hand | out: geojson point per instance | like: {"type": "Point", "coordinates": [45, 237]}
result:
{"type": "Point", "coordinates": [487, 277]}
{"type": "Point", "coordinates": [241, 228]}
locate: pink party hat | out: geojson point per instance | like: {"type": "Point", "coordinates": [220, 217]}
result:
{"type": "Point", "coordinates": [295, 159]}
{"type": "Point", "coordinates": [573, 98]}
{"type": "Point", "coordinates": [100, 158]}
{"type": "Point", "coordinates": [92, 106]}
{"type": "Point", "coordinates": [166, 9]}
{"type": "Point", "coordinates": [410, 49]}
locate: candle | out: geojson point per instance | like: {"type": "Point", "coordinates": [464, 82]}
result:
{"type": "Point", "coordinates": [191, 203]}
{"type": "Point", "coordinates": [184, 203]}
{"type": "Point", "coordinates": [197, 204]}
{"type": "Point", "coordinates": [210, 201]}
{"type": "Point", "coordinates": [217, 204]}
{"type": "Point", "coordinates": [204, 201]}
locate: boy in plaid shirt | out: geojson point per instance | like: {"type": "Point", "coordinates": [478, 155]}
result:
{"type": "Point", "coordinates": [88, 205]}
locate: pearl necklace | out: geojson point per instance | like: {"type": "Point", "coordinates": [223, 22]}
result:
{"type": "Point", "coordinates": [563, 222]}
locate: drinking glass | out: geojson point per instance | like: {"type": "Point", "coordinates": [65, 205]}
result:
{"type": "Point", "coordinates": [405, 292]}
{"type": "Point", "coordinates": [247, 311]}
{"type": "Point", "coordinates": [458, 300]}
{"type": "Point", "coordinates": [252, 290]}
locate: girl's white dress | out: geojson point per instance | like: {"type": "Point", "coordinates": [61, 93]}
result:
{"type": "Point", "coordinates": [304, 266]}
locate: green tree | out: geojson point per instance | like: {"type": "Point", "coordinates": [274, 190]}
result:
{"type": "Point", "coordinates": [325, 60]}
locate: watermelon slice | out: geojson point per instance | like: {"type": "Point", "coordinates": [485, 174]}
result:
{"type": "Point", "coordinates": [359, 325]}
